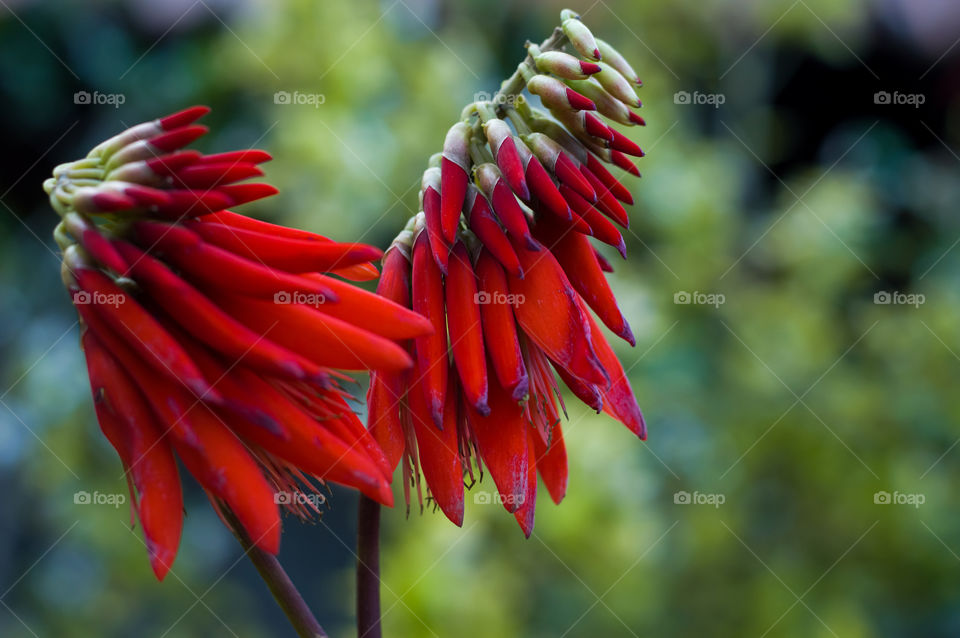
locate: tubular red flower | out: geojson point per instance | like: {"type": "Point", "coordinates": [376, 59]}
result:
{"type": "Point", "coordinates": [466, 331]}
{"type": "Point", "coordinates": [431, 349]}
{"type": "Point", "coordinates": [521, 280]}
{"type": "Point", "coordinates": [215, 338]}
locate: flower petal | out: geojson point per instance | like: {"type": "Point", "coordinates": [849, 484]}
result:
{"type": "Point", "coordinates": [315, 335]}
{"type": "Point", "coordinates": [489, 232]}
{"type": "Point", "coordinates": [438, 449]}
{"type": "Point", "coordinates": [220, 269]}
{"type": "Point", "coordinates": [552, 463]}
{"type": "Point", "coordinates": [147, 456]}
{"type": "Point", "coordinates": [466, 329]}
{"type": "Point", "coordinates": [499, 326]}
{"type": "Point", "coordinates": [202, 318]}
{"type": "Point", "coordinates": [618, 399]}
{"type": "Point", "coordinates": [528, 506]}
{"type": "Point", "coordinates": [547, 309]}
{"type": "Point", "coordinates": [283, 253]}
{"type": "Point", "coordinates": [502, 441]}
{"type": "Point", "coordinates": [578, 259]}
{"type": "Point", "coordinates": [132, 323]}
{"type": "Point", "coordinates": [428, 300]}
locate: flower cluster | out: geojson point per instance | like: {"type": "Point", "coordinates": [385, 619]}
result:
{"type": "Point", "coordinates": [216, 337]}
{"type": "Point", "coordinates": [499, 259]}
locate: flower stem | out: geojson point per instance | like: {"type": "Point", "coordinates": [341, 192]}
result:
{"type": "Point", "coordinates": [513, 85]}
{"type": "Point", "coordinates": [280, 585]}
{"type": "Point", "coordinates": [368, 569]}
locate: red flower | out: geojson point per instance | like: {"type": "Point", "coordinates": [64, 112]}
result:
{"type": "Point", "coordinates": [213, 337]}
{"type": "Point", "coordinates": [510, 285]}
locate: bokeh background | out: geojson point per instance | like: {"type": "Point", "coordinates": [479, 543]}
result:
{"type": "Point", "coordinates": [802, 158]}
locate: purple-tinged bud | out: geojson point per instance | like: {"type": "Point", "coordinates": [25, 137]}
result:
{"type": "Point", "coordinates": [541, 184]}
{"type": "Point", "coordinates": [596, 128]}
{"type": "Point", "coordinates": [625, 163]}
{"type": "Point", "coordinates": [607, 105]}
{"type": "Point", "coordinates": [431, 205]}
{"type": "Point", "coordinates": [488, 231]}
{"type": "Point", "coordinates": [564, 65]}
{"type": "Point", "coordinates": [455, 175]}
{"type": "Point", "coordinates": [505, 204]}
{"type": "Point", "coordinates": [556, 95]}
{"type": "Point", "coordinates": [622, 143]}
{"type": "Point", "coordinates": [558, 161]}
{"type": "Point", "coordinates": [500, 138]}
{"type": "Point", "coordinates": [106, 198]}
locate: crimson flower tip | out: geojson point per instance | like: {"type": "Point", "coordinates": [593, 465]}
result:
{"type": "Point", "coordinates": [183, 118]}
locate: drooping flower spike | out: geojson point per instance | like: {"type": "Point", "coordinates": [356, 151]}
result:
{"type": "Point", "coordinates": [215, 337]}
{"type": "Point", "coordinates": [501, 261]}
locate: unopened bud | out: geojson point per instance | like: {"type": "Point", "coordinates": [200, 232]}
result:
{"type": "Point", "coordinates": [607, 105]}
{"type": "Point", "coordinates": [487, 175]}
{"type": "Point", "coordinates": [556, 95]}
{"type": "Point", "coordinates": [616, 85]}
{"type": "Point", "coordinates": [564, 65]}
{"type": "Point", "coordinates": [581, 38]}
{"type": "Point", "coordinates": [456, 145]}
{"type": "Point", "coordinates": [613, 57]}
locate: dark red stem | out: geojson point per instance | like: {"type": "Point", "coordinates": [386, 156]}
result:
{"type": "Point", "coordinates": [368, 569]}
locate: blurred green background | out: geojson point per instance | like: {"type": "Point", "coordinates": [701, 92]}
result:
{"type": "Point", "coordinates": [799, 402]}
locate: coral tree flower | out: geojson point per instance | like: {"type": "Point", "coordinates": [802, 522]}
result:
{"type": "Point", "coordinates": [504, 267]}
{"type": "Point", "coordinates": [214, 337]}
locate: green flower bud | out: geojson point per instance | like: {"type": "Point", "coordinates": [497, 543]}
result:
{"type": "Point", "coordinates": [564, 65]}
{"type": "Point", "coordinates": [612, 57]}
{"type": "Point", "coordinates": [615, 84]}
{"type": "Point", "coordinates": [581, 39]}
